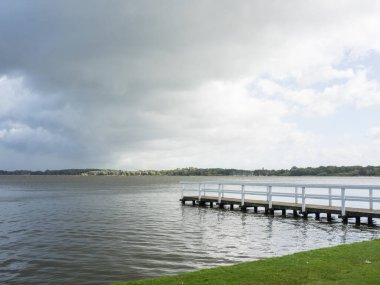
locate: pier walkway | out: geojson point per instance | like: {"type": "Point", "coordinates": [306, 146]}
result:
{"type": "Point", "coordinates": [346, 201]}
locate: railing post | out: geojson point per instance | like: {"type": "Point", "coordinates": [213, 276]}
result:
{"type": "Point", "coordinates": [303, 200]}
{"type": "Point", "coordinates": [242, 194]}
{"type": "Point", "coordinates": [370, 199]}
{"type": "Point", "coordinates": [269, 190]}
{"type": "Point", "coordinates": [182, 190]}
{"type": "Point", "coordinates": [199, 191]}
{"type": "Point", "coordinates": [219, 194]}
{"type": "Point", "coordinates": [204, 190]}
{"type": "Point", "coordinates": [222, 190]}
{"type": "Point", "coordinates": [343, 198]}
{"type": "Point", "coordinates": [296, 195]}
{"type": "Point", "coordinates": [330, 200]}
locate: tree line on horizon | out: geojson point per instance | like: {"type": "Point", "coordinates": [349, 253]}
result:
{"type": "Point", "coordinates": [193, 171]}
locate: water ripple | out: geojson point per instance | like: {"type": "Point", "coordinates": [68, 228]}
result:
{"type": "Point", "coordinates": [98, 230]}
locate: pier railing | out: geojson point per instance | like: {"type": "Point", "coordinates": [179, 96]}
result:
{"type": "Point", "coordinates": [299, 193]}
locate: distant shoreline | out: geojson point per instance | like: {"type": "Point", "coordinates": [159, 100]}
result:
{"type": "Point", "coordinates": [192, 171]}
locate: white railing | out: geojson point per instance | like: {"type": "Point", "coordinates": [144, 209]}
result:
{"type": "Point", "coordinates": [242, 189]}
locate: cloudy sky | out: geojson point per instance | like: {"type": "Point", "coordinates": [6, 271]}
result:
{"type": "Point", "coordinates": [167, 84]}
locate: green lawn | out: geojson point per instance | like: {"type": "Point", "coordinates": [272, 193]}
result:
{"type": "Point", "coordinates": [357, 263]}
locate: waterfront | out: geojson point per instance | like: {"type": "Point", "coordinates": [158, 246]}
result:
{"type": "Point", "coordinates": [97, 230]}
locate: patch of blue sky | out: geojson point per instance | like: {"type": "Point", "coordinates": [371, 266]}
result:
{"type": "Point", "coordinates": [291, 83]}
{"type": "Point", "coordinates": [322, 85]}
{"type": "Point", "coordinates": [348, 120]}
{"type": "Point", "coordinates": [255, 90]}
{"type": "Point", "coordinates": [370, 62]}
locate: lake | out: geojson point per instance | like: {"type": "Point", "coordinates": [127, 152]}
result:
{"type": "Point", "coordinates": [99, 230]}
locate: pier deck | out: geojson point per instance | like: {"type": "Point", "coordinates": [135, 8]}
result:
{"type": "Point", "coordinates": [310, 208]}
{"type": "Point", "coordinates": [220, 190]}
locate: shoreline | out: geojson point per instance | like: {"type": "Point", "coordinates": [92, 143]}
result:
{"type": "Point", "coordinates": [355, 263]}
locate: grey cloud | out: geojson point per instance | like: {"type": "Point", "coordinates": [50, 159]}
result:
{"type": "Point", "coordinates": [113, 76]}
{"type": "Point", "coordinates": [126, 46]}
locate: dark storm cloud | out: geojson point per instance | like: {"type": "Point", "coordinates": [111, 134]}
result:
{"type": "Point", "coordinates": [105, 60]}
{"type": "Point", "coordinates": [126, 46]}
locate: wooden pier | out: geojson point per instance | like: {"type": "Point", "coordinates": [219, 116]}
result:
{"type": "Point", "coordinates": [247, 195]}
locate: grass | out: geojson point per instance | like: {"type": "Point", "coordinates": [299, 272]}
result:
{"type": "Point", "coordinates": [357, 263]}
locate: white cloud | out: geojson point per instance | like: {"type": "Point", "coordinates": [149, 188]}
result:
{"type": "Point", "coordinates": [357, 90]}
{"type": "Point", "coordinates": [374, 133]}
{"type": "Point", "coordinates": [221, 124]}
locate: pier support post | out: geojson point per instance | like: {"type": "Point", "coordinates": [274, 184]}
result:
{"type": "Point", "coordinates": [231, 207]}
{"type": "Point", "coordinates": [193, 202]}
{"type": "Point", "coordinates": [370, 221]}
{"type": "Point", "coordinates": [329, 217]}
{"type": "Point", "coordinates": [270, 197]}
{"type": "Point", "coordinates": [255, 209]}
{"type": "Point", "coordinates": [211, 204]}
{"type": "Point", "coordinates": [242, 194]}
{"type": "Point", "coordinates": [305, 215]}
{"type": "Point", "coordinates": [357, 220]}
{"type": "Point", "coordinates": [202, 203]}
{"type": "Point", "coordinates": [303, 200]}
{"type": "Point", "coordinates": [243, 208]}
{"type": "Point", "coordinates": [183, 202]}
{"type": "Point", "coordinates": [219, 193]}
{"type": "Point", "coordinates": [266, 211]}
{"type": "Point", "coordinates": [295, 213]}
{"type": "Point", "coordinates": [317, 216]}
{"type": "Point", "coordinates": [221, 206]}
{"type": "Point", "coordinates": [271, 211]}
{"type": "Point", "coordinates": [284, 212]}
{"type": "Point", "coordinates": [330, 200]}
{"type": "Point", "coordinates": [345, 220]}
{"type": "Point", "coordinates": [343, 201]}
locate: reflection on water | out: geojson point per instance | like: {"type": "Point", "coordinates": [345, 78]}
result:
{"type": "Point", "coordinates": [97, 230]}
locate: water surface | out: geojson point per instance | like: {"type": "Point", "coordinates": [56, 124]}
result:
{"type": "Point", "coordinates": [98, 230]}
